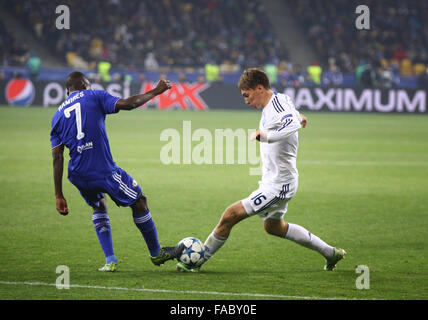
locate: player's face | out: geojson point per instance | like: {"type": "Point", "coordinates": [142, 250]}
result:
{"type": "Point", "coordinates": [253, 97]}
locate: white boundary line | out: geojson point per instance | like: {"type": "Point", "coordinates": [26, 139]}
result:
{"type": "Point", "coordinates": [215, 293]}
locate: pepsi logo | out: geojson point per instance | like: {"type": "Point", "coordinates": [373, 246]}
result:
{"type": "Point", "coordinates": [20, 92]}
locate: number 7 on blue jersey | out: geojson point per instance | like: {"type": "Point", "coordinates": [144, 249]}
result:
{"type": "Point", "coordinates": [67, 113]}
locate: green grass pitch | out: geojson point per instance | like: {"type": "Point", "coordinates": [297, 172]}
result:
{"type": "Point", "coordinates": [363, 186]}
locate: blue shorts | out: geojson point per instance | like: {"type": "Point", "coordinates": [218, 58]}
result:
{"type": "Point", "coordinates": [120, 186]}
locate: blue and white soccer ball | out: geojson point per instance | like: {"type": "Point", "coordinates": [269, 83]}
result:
{"type": "Point", "coordinates": [193, 252]}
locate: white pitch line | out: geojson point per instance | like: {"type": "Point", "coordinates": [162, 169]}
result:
{"type": "Point", "coordinates": [252, 295]}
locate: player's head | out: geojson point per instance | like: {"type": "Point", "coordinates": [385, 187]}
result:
{"type": "Point", "coordinates": [253, 77]}
{"type": "Point", "coordinates": [255, 86]}
{"type": "Point", "coordinates": [77, 81]}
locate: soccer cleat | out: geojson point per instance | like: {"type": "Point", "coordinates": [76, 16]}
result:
{"type": "Point", "coordinates": [167, 253]}
{"type": "Point", "coordinates": [183, 268]}
{"type": "Point", "coordinates": [338, 255]}
{"type": "Point", "coordinates": [109, 267]}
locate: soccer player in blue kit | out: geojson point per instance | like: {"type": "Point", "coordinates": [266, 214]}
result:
{"type": "Point", "coordinates": [79, 125]}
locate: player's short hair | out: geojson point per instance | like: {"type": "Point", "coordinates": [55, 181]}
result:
{"type": "Point", "coordinates": [252, 77]}
{"type": "Point", "coordinates": [76, 81]}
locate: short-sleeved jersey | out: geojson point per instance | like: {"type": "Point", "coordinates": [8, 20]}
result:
{"type": "Point", "coordinates": [280, 121]}
{"type": "Point", "coordinates": [79, 124]}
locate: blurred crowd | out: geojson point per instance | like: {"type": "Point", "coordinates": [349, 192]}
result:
{"type": "Point", "coordinates": [230, 35]}
{"type": "Point", "coordinates": [396, 43]}
{"type": "Point", "coordinates": [152, 34]}
{"type": "Point", "coordinates": [12, 51]}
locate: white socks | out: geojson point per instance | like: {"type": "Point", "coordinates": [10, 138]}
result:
{"type": "Point", "coordinates": [294, 233]}
{"type": "Point", "coordinates": [212, 244]}
{"type": "Point", "coordinates": [303, 237]}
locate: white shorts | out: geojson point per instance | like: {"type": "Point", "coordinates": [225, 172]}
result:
{"type": "Point", "coordinates": [270, 202]}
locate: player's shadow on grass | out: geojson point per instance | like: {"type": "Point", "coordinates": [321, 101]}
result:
{"type": "Point", "coordinates": [146, 273]}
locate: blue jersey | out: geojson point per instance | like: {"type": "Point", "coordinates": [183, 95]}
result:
{"type": "Point", "coordinates": [79, 124]}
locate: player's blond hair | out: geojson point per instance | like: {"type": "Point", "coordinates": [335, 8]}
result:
{"type": "Point", "coordinates": [251, 78]}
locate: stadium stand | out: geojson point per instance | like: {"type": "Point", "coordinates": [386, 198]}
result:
{"type": "Point", "coordinates": [397, 39]}
{"type": "Point", "coordinates": [175, 33]}
{"type": "Point", "coordinates": [12, 51]}
{"type": "Point", "coordinates": [188, 35]}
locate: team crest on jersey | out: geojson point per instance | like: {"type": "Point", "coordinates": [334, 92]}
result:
{"type": "Point", "coordinates": [134, 183]}
{"type": "Point", "coordinates": [286, 116]}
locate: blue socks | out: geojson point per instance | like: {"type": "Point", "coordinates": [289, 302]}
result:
{"type": "Point", "coordinates": [143, 222]}
{"type": "Point", "coordinates": [147, 227]}
{"type": "Point", "coordinates": [103, 230]}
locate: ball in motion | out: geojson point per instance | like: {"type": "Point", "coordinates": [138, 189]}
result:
{"type": "Point", "coordinates": [193, 252]}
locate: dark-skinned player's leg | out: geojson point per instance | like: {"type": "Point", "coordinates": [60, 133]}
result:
{"type": "Point", "coordinates": [144, 222]}
{"type": "Point", "coordinates": [102, 227]}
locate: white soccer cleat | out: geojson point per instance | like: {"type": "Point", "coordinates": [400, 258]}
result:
{"type": "Point", "coordinates": [109, 267]}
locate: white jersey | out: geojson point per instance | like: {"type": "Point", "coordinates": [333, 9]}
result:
{"type": "Point", "coordinates": [281, 122]}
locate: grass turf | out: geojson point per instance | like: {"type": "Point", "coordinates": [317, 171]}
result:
{"type": "Point", "coordinates": [362, 186]}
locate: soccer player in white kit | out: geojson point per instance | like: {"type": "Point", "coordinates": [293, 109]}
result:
{"type": "Point", "coordinates": [278, 136]}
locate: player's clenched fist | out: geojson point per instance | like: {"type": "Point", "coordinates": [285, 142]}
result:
{"type": "Point", "coordinates": [61, 206]}
{"type": "Point", "coordinates": [162, 86]}
{"type": "Point", "coordinates": [304, 120]}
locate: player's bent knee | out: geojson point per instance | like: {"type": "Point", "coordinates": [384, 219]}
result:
{"type": "Point", "coordinates": [140, 205]}
{"type": "Point", "coordinates": [102, 205]}
{"type": "Point", "coordinates": [228, 217]}
{"type": "Point", "coordinates": [269, 229]}
{"type": "Point", "coordinates": [275, 227]}
{"type": "Point", "coordinates": [233, 214]}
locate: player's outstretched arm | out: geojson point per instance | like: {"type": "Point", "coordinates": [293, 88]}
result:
{"type": "Point", "coordinates": [58, 167]}
{"type": "Point", "coordinates": [138, 100]}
